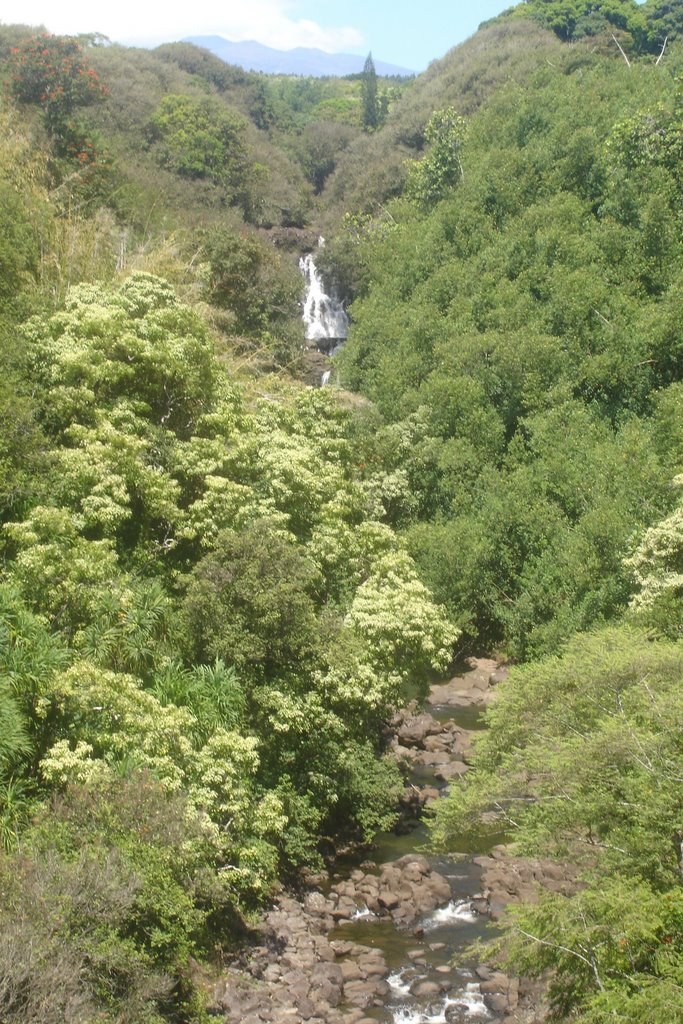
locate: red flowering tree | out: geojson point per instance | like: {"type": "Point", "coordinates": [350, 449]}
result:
{"type": "Point", "coordinates": [54, 72]}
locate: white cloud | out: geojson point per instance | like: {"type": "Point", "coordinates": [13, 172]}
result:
{"type": "Point", "coordinates": [273, 22]}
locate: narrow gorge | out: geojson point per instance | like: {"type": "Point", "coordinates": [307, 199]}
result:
{"type": "Point", "coordinates": [381, 938]}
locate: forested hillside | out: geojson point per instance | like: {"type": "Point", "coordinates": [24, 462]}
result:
{"type": "Point", "coordinates": [218, 583]}
{"type": "Point", "coordinates": [517, 325]}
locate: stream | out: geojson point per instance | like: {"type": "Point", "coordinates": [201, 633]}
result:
{"type": "Point", "coordinates": [424, 986]}
{"type": "Point", "coordinates": [374, 941]}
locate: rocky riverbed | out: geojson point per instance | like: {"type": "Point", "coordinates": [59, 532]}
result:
{"type": "Point", "coordinates": [376, 943]}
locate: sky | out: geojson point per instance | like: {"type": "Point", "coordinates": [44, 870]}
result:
{"type": "Point", "coordinates": [403, 32]}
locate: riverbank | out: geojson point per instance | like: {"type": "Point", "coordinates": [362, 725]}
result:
{"type": "Point", "coordinates": [376, 943]}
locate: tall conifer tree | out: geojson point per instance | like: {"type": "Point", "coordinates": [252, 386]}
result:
{"type": "Point", "coordinates": [369, 95]}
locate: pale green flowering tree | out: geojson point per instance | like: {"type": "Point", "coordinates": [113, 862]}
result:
{"type": "Point", "coordinates": [431, 178]}
{"type": "Point", "coordinates": [657, 563]}
{"type": "Point", "coordinates": [65, 575]}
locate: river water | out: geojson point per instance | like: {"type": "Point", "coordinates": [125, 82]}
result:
{"type": "Point", "coordinates": [425, 953]}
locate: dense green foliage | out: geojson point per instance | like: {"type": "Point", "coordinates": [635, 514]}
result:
{"type": "Point", "coordinates": [574, 19]}
{"type": "Point", "coordinates": [202, 623]}
{"type": "Point", "coordinates": [112, 894]}
{"type": "Point", "coordinates": [640, 27]}
{"type": "Point", "coordinates": [519, 339]}
{"type": "Point", "coordinates": [200, 139]}
{"type": "Point", "coordinates": [433, 177]}
{"type": "Point", "coordinates": [582, 761]}
{"type": "Point", "coordinates": [217, 584]}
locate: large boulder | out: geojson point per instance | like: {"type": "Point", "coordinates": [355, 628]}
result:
{"type": "Point", "coordinates": [414, 731]}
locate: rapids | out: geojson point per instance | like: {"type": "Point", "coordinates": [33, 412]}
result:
{"type": "Point", "coordinates": [422, 957]}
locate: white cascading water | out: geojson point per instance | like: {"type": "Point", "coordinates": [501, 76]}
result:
{"type": "Point", "coordinates": [363, 913]}
{"type": "Point", "coordinates": [457, 912]}
{"type": "Point", "coordinates": [469, 1002]}
{"type": "Point", "coordinates": [472, 1001]}
{"type": "Point", "coordinates": [397, 983]}
{"type": "Point", "coordinates": [465, 1005]}
{"type": "Point", "coordinates": [324, 316]}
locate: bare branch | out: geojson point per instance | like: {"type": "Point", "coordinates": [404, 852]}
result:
{"type": "Point", "coordinates": [621, 50]}
{"type": "Point", "coordinates": [504, 814]}
{"type": "Point", "coordinates": [566, 949]}
{"type": "Point", "coordinates": [662, 53]}
{"type": "Point", "coordinates": [595, 843]}
{"type": "Point", "coordinates": [603, 318]}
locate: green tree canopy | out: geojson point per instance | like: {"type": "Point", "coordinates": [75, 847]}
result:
{"type": "Point", "coordinates": [573, 19]}
{"type": "Point", "coordinates": [441, 169]}
{"type": "Point", "coordinates": [201, 138]}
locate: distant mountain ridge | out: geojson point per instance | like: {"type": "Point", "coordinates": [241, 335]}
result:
{"type": "Point", "coordinates": [253, 56]}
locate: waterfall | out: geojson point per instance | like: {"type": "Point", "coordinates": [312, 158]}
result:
{"type": "Point", "coordinates": [324, 316]}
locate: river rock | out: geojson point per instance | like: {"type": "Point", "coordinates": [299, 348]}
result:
{"type": "Point", "coordinates": [346, 888]}
{"type": "Point", "coordinates": [323, 949]}
{"type": "Point", "coordinates": [416, 860]}
{"type": "Point", "coordinates": [434, 757]}
{"type": "Point", "coordinates": [430, 794]}
{"type": "Point", "coordinates": [389, 900]}
{"type": "Point", "coordinates": [496, 982]}
{"type": "Point", "coordinates": [316, 904]}
{"type": "Point", "coordinates": [450, 771]}
{"type": "Point", "coordinates": [497, 1002]}
{"type": "Point", "coordinates": [360, 993]}
{"type": "Point", "coordinates": [402, 753]}
{"type": "Point", "coordinates": [499, 675]}
{"type": "Point", "coordinates": [324, 971]}
{"type": "Point", "coordinates": [351, 971]}
{"type": "Point", "coordinates": [414, 873]}
{"type": "Point", "coordinates": [343, 947]}
{"type": "Point", "coordinates": [414, 731]}
{"type": "Point", "coordinates": [439, 887]}
{"type": "Point", "coordinates": [440, 742]}
{"type": "Point", "coordinates": [522, 879]}
{"type": "Point", "coordinates": [471, 688]}
{"type": "Point", "coordinates": [457, 1015]}
{"type": "Point", "coordinates": [345, 909]}
{"type": "Point", "coordinates": [423, 988]}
